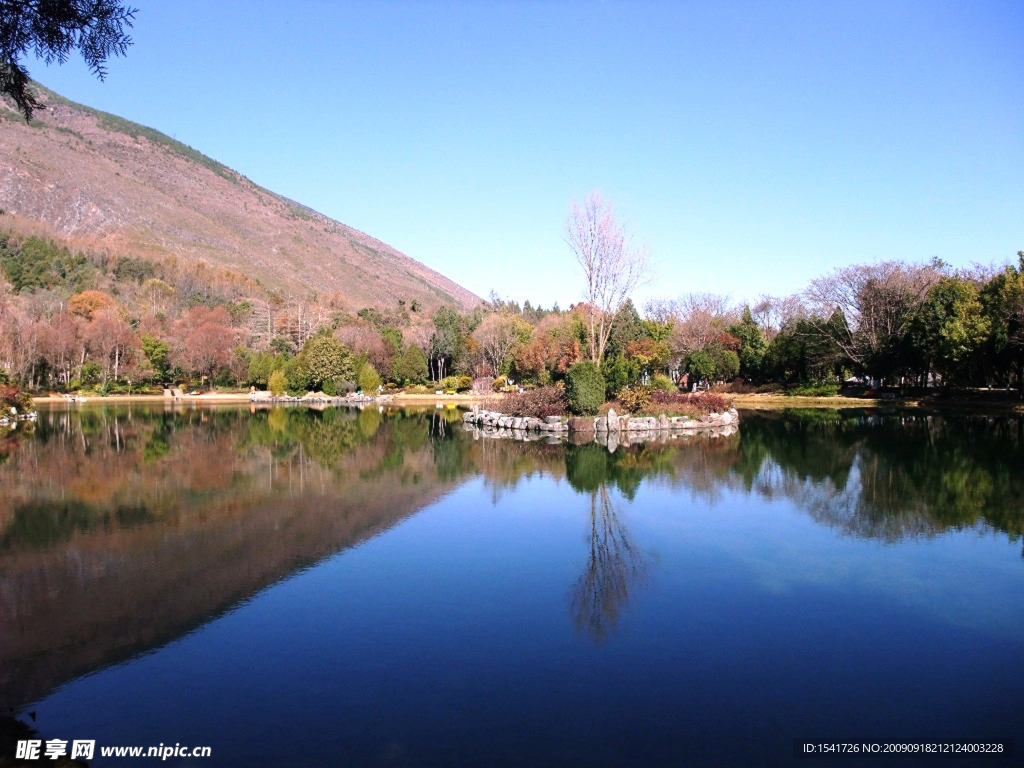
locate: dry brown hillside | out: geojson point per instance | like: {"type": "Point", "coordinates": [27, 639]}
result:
{"type": "Point", "coordinates": [103, 182]}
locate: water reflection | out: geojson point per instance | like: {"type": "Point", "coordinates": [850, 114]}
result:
{"type": "Point", "coordinates": [614, 566]}
{"type": "Point", "coordinates": [124, 528]}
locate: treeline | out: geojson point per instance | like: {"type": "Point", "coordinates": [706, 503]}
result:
{"type": "Point", "coordinates": [80, 320]}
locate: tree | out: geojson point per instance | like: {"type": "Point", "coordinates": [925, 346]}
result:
{"type": "Point", "coordinates": [277, 383]}
{"type": "Point", "coordinates": [497, 336]}
{"type": "Point", "coordinates": [110, 340]}
{"type": "Point", "coordinates": [950, 329]}
{"type": "Point", "coordinates": [411, 365]}
{"type": "Point", "coordinates": [752, 345]}
{"type": "Point", "coordinates": [325, 359]}
{"type": "Point", "coordinates": [612, 265]}
{"type": "Point", "coordinates": [157, 352]}
{"type": "Point", "coordinates": [52, 29]}
{"type": "Point", "coordinates": [204, 339]}
{"type": "Point", "coordinates": [584, 388]}
{"type": "Point", "coordinates": [369, 379]}
{"type": "Point", "coordinates": [877, 303]}
{"type": "Point", "coordinates": [447, 341]}
{"type": "Point", "coordinates": [88, 303]}
{"type": "Point", "coordinates": [1003, 302]}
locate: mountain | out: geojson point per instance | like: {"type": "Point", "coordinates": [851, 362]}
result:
{"type": "Point", "coordinates": [105, 183]}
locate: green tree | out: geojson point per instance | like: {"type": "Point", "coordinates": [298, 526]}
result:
{"type": "Point", "coordinates": [411, 366]}
{"type": "Point", "coordinates": [950, 328]}
{"type": "Point", "coordinates": [277, 383]}
{"type": "Point", "coordinates": [158, 354]}
{"type": "Point", "coordinates": [752, 345]}
{"type": "Point", "coordinates": [584, 388]}
{"type": "Point", "coordinates": [369, 379]}
{"type": "Point", "coordinates": [627, 327]}
{"type": "Point", "coordinates": [1003, 304]}
{"type": "Point", "coordinates": [324, 359]}
{"type": "Point", "coordinates": [447, 342]}
{"type": "Point", "coordinates": [713, 363]}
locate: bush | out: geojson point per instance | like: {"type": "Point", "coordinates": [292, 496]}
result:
{"type": "Point", "coordinates": [662, 383]}
{"type": "Point", "coordinates": [465, 384]}
{"type": "Point", "coordinates": [635, 399]}
{"type": "Point", "coordinates": [483, 384]}
{"type": "Point", "coordinates": [277, 383]}
{"type": "Point", "coordinates": [619, 373]}
{"type": "Point", "coordinates": [695, 403]}
{"type": "Point", "coordinates": [541, 402]}
{"type": "Point", "coordinates": [499, 384]}
{"type": "Point", "coordinates": [815, 390]}
{"type": "Point", "coordinates": [449, 382]}
{"type": "Point", "coordinates": [584, 389]}
{"type": "Point", "coordinates": [369, 379]}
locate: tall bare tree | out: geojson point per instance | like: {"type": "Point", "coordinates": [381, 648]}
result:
{"type": "Point", "coordinates": [877, 302]}
{"type": "Point", "coordinates": [613, 266]}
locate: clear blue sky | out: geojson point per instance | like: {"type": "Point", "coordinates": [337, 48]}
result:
{"type": "Point", "coordinates": [752, 145]}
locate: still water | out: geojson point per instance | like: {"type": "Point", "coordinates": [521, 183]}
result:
{"type": "Point", "coordinates": [366, 588]}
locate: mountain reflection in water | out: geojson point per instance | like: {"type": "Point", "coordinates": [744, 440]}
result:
{"type": "Point", "coordinates": [123, 528]}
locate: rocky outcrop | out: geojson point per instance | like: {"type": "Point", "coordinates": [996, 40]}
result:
{"type": "Point", "coordinates": [611, 428]}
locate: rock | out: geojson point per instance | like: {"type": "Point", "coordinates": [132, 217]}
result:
{"type": "Point", "coordinates": [663, 422]}
{"type": "Point", "coordinates": [601, 425]}
{"type": "Point", "coordinates": [517, 423]}
{"type": "Point", "coordinates": [553, 419]}
{"type": "Point", "coordinates": [581, 424]}
{"type": "Point", "coordinates": [613, 420]}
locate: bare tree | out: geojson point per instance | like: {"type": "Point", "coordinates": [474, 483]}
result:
{"type": "Point", "coordinates": [701, 318]}
{"type": "Point", "coordinates": [497, 336]}
{"type": "Point", "coordinates": [612, 265]}
{"type": "Point", "coordinates": [773, 313]}
{"type": "Point", "coordinates": [877, 303]}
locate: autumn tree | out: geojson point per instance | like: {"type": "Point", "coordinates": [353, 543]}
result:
{"type": "Point", "coordinates": [203, 340]}
{"type": "Point", "coordinates": [613, 266]}
{"type": "Point", "coordinates": [110, 340]}
{"type": "Point", "coordinates": [88, 303]}
{"type": "Point", "coordinates": [498, 335]}
{"type": "Point", "coordinates": [52, 30]}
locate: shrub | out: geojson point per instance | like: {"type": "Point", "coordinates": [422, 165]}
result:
{"type": "Point", "coordinates": [584, 388]}
{"type": "Point", "coordinates": [815, 390]}
{"type": "Point", "coordinates": [499, 384]}
{"type": "Point", "coordinates": [277, 383]}
{"type": "Point", "coordinates": [697, 403]}
{"type": "Point", "coordinates": [12, 397]}
{"type": "Point", "coordinates": [449, 382]}
{"type": "Point", "coordinates": [619, 373]}
{"type": "Point", "coordinates": [483, 384]}
{"type": "Point", "coordinates": [635, 399]}
{"type": "Point", "coordinates": [465, 384]}
{"type": "Point", "coordinates": [541, 402]}
{"type": "Point", "coordinates": [369, 379]}
{"type": "Point", "coordinates": [662, 383]}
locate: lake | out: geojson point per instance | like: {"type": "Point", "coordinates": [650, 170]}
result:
{"type": "Point", "coordinates": [385, 588]}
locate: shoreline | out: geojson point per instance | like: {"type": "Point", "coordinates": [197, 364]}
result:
{"type": "Point", "coordinates": [751, 402]}
{"type": "Point", "coordinates": [837, 402]}
{"type": "Point", "coordinates": [245, 397]}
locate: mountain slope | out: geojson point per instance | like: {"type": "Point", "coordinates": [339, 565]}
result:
{"type": "Point", "coordinates": [104, 182]}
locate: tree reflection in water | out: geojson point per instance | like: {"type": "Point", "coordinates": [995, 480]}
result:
{"type": "Point", "coordinates": [614, 566]}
